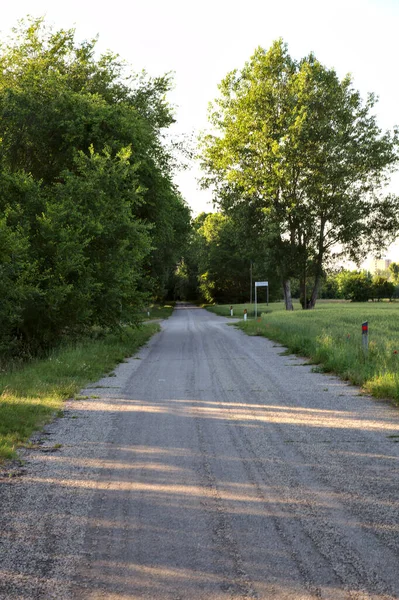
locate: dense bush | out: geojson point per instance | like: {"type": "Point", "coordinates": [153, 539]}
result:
{"type": "Point", "coordinates": [358, 286]}
{"type": "Point", "coordinates": [355, 286]}
{"type": "Point", "coordinates": [90, 221]}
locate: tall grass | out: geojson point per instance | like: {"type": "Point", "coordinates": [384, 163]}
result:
{"type": "Point", "coordinates": [330, 335]}
{"type": "Point", "coordinates": [32, 394]}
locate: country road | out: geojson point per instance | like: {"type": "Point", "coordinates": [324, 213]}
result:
{"type": "Point", "coordinates": [209, 466]}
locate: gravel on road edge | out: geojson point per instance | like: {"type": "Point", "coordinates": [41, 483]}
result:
{"type": "Point", "coordinates": [44, 485]}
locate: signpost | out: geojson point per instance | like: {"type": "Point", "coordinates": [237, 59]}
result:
{"type": "Point", "coordinates": [261, 284]}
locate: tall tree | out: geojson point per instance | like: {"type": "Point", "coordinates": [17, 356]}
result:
{"type": "Point", "coordinates": [58, 99]}
{"type": "Point", "coordinates": [300, 145]}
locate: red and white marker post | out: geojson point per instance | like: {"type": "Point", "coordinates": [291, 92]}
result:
{"type": "Point", "coordinates": [365, 336]}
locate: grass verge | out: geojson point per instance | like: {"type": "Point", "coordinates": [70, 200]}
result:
{"type": "Point", "coordinates": [31, 395]}
{"type": "Point", "coordinates": [159, 311]}
{"type": "Point", "coordinates": [330, 335]}
{"type": "Point", "coordinates": [223, 310]}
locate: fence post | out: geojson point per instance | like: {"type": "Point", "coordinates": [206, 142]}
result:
{"type": "Point", "coordinates": [365, 336]}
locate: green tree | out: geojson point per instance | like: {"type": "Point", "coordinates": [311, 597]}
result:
{"type": "Point", "coordinates": [300, 145]}
{"type": "Point", "coordinates": [184, 283]}
{"type": "Point", "coordinates": [14, 284]}
{"type": "Point", "coordinates": [91, 221]}
{"type": "Point", "coordinates": [225, 258]}
{"type": "Point", "coordinates": [355, 285]}
{"type": "Point", "coordinates": [83, 251]}
{"type": "Point", "coordinates": [382, 288]}
{"type": "Point", "coordinates": [394, 271]}
{"type": "Point", "coordinates": [58, 99]}
{"type": "Point", "coordinates": [20, 202]}
{"type": "Point", "coordinates": [329, 287]}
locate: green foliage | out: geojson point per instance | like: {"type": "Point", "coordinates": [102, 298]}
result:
{"type": "Point", "coordinates": [358, 286]}
{"type": "Point", "coordinates": [354, 285]}
{"type": "Point", "coordinates": [13, 284]}
{"type": "Point", "coordinates": [394, 271]}
{"type": "Point", "coordinates": [224, 270]}
{"type": "Point", "coordinates": [223, 259]}
{"type": "Point", "coordinates": [299, 154]}
{"type": "Point", "coordinates": [329, 288]}
{"type": "Point", "coordinates": [89, 248]}
{"type": "Point", "coordinates": [91, 223]}
{"type": "Point", "coordinates": [184, 283]}
{"type": "Point", "coordinates": [56, 98]}
{"type": "Point", "coordinates": [19, 203]}
{"type": "Point", "coordinates": [170, 218]}
{"type": "Point", "coordinates": [180, 283]}
{"type": "Point", "coordinates": [382, 288]}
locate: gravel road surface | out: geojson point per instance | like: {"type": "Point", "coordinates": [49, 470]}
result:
{"type": "Point", "coordinates": [210, 466]}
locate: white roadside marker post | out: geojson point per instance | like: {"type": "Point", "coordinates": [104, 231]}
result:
{"type": "Point", "coordinates": [231, 311]}
{"type": "Point", "coordinates": [245, 314]}
{"type": "Point", "coordinates": [365, 336]}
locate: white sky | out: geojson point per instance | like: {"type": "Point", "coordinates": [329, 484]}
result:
{"type": "Point", "coordinates": [201, 40]}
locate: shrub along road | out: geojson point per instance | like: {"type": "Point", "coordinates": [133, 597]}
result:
{"type": "Point", "coordinates": [213, 467]}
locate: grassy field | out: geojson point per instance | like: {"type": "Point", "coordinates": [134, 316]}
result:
{"type": "Point", "coordinates": [330, 335]}
{"type": "Point", "coordinates": [31, 395]}
{"type": "Point", "coordinates": [158, 311]}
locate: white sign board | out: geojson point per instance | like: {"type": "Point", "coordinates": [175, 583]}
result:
{"type": "Point", "coordinates": [260, 284]}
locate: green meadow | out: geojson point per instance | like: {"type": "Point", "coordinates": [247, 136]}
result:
{"type": "Point", "coordinates": [331, 337]}
{"type": "Point", "coordinates": [32, 394]}
{"type": "Point", "coordinates": [159, 311]}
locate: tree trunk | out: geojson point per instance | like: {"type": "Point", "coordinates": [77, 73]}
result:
{"type": "Point", "coordinates": [318, 275]}
{"type": "Point", "coordinates": [302, 286]}
{"type": "Point", "coordinates": [287, 294]}
{"type": "Point", "coordinates": [315, 291]}
{"type": "Point", "coordinates": [303, 291]}
{"type": "Point", "coordinates": [319, 266]}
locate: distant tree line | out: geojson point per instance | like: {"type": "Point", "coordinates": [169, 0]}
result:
{"type": "Point", "coordinates": [362, 286]}
{"type": "Point", "coordinates": [91, 223]}
{"type": "Point", "coordinates": [220, 261]}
